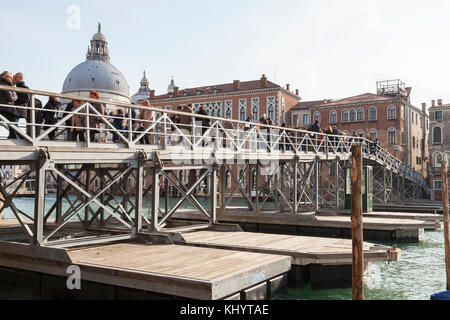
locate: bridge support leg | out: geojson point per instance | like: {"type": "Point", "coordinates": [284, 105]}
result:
{"type": "Point", "coordinates": [155, 199]}
{"type": "Point", "coordinates": [59, 192]}
{"type": "Point", "coordinates": [213, 182]}
{"type": "Point", "coordinates": [336, 179]}
{"type": "Point", "coordinates": [257, 188]}
{"type": "Point", "coordinates": [139, 191]}
{"type": "Point", "coordinates": [223, 187]}
{"type": "Point", "coordinates": [295, 184]}
{"type": "Point", "coordinates": [316, 185]}
{"type": "Point", "coordinates": [39, 202]}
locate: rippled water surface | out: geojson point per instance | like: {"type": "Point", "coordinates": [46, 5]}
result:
{"type": "Point", "coordinates": [419, 273]}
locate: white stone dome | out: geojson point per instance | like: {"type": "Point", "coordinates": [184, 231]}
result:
{"type": "Point", "coordinates": [96, 75]}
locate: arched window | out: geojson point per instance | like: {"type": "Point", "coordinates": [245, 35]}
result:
{"type": "Point", "coordinates": [344, 116]}
{"type": "Point", "coordinates": [372, 114]}
{"type": "Point", "coordinates": [392, 112]}
{"type": "Point", "coordinates": [243, 114]}
{"type": "Point", "coordinates": [333, 117]}
{"type": "Point", "coordinates": [392, 136]}
{"type": "Point", "coordinates": [271, 114]}
{"type": "Point", "coordinates": [360, 114]}
{"type": "Point", "coordinates": [256, 113]}
{"type": "Point", "coordinates": [373, 134]}
{"type": "Point", "coordinates": [437, 135]}
{"type": "Point", "coordinates": [317, 116]}
{"type": "Point", "coordinates": [352, 115]}
{"type": "Point", "coordinates": [229, 113]}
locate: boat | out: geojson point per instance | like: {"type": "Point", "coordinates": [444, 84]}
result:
{"type": "Point", "coordinates": [444, 295]}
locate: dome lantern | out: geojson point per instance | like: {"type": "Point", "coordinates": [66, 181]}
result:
{"type": "Point", "coordinates": [171, 87]}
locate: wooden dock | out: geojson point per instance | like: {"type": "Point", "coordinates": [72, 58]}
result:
{"type": "Point", "coordinates": [375, 228]}
{"type": "Point", "coordinates": [322, 262]}
{"type": "Point", "coordinates": [398, 215]}
{"type": "Point", "coordinates": [411, 206]}
{"type": "Point", "coordinates": [156, 270]}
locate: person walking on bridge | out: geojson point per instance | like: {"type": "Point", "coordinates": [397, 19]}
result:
{"type": "Point", "coordinates": [186, 122]}
{"type": "Point", "coordinates": [8, 98]}
{"type": "Point", "coordinates": [77, 122]}
{"type": "Point", "coordinates": [204, 123]}
{"type": "Point", "coordinates": [23, 98]}
{"type": "Point", "coordinates": [145, 120]}
{"type": "Point", "coordinates": [50, 116]}
{"type": "Point", "coordinates": [95, 121]}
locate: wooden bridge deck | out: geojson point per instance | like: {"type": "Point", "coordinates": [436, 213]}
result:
{"type": "Point", "coordinates": [375, 228]}
{"type": "Point", "coordinates": [302, 250]}
{"type": "Point", "coordinates": [198, 273]}
{"type": "Point", "coordinates": [400, 215]}
{"type": "Point", "coordinates": [164, 269]}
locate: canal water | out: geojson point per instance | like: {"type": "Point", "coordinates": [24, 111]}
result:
{"type": "Point", "coordinates": [419, 273]}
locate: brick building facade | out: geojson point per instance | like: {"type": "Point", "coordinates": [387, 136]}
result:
{"type": "Point", "coordinates": [400, 127]}
{"type": "Point", "coordinates": [234, 100]}
{"type": "Point", "coordinates": [439, 145]}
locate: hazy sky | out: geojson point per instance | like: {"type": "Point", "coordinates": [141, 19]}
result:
{"type": "Point", "coordinates": [325, 48]}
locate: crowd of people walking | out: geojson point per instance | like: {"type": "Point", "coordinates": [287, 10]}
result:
{"type": "Point", "coordinates": [98, 122]}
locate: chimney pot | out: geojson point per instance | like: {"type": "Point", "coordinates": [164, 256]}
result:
{"type": "Point", "coordinates": [263, 81]}
{"type": "Point", "coordinates": [439, 102]}
{"type": "Point", "coordinates": [152, 94]}
{"type": "Point", "coordinates": [236, 85]}
{"type": "Point", "coordinates": [288, 86]}
{"type": "Point", "coordinates": [176, 90]}
{"type": "Point", "coordinates": [433, 103]}
{"type": "Point", "coordinates": [296, 92]}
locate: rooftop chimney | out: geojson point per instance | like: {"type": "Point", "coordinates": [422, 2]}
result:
{"type": "Point", "coordinates": [152, 94]}
{"type": "Point", "coordinates": [176, 91]}
{"type": "Point", "coordinates": [263, 81]}
{"type": "Point", "coordinates": [296, 92]}
{"type": "Point", "coordinates": [433, 103]}
{"type": "Point", "coordinates": [408, 94]}
{"type": "Point", "coordinates": [424, 107]}
{"type": "Point", "coordinates": [439, 102]}
{"type": "Point", "coordinates": [236, 85]}
{"type": "Point", "coordinates": [288, 86]}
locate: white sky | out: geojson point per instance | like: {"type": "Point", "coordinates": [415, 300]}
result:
{"type": "Point", "coordinates": [325, 48]}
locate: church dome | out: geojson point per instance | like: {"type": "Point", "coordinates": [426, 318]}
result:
{"type": "Point", "coordinates": [171, 87]}
{"type": "Point", "coordinates": [97, 73]}
{"type": "Point", "coordinates": [144, 91]}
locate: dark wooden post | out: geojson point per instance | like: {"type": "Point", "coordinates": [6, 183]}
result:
{"type": "Point", "coordinates": [446, 221]}
{"type": "Point", "coordinates": [357, 225]}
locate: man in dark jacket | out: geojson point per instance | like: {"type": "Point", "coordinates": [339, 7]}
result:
{"type": "Point", "coordinates": [314, 127]}
{"type": "Point", "coordinates": [23, 99]}
{"type": "Point", "coordinates": [204, 122]}
{"type": "Point", "coordinates": [51, 116]}
{"type": "Point", "coordinates": [8, 98]}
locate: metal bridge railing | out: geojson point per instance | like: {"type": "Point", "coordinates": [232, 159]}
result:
{"type": "Point", "coordinates": [138, 127]}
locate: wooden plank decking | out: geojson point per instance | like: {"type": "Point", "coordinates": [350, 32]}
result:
{"type": "Point", "coordinates": [302, 250]}
{"type": "Point", "coordinates": [199, 273]}
{"type": "Point", "coordinates": [181, 271]}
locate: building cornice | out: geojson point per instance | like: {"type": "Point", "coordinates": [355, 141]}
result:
{"type": "Point", "coordinates": [357, 104]}
{"type": "Point", "coordinates": [222, 95]}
